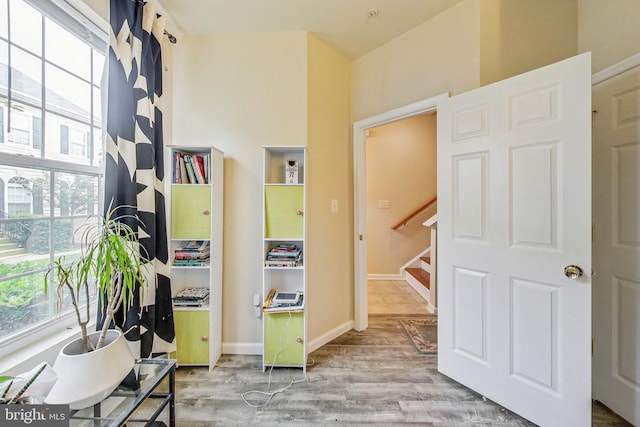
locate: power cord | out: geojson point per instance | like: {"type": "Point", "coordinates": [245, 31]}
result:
{"type": "Point", "coordinates": [268, 393]}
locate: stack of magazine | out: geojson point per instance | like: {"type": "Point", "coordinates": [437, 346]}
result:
{"type": "Point", "coordinates": [192, 253]}
{"type": "Point", "coordinates": [284, 255]}
{"type": "Point", "coordinates": [192, 297]}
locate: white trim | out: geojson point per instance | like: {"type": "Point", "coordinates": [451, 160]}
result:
{"type": "Point", "coordinates": [45, 349]}
{"type": "Point", "coordinates": [431, 222]}
{"type": "Point", "coordinates": [616, 69]}
{"type": "Point", "coordinates": [385, 276]}
{"type": "Point", "coordinates": [360, 194]}
{"type": "Point", "coordinates": [329, 336]}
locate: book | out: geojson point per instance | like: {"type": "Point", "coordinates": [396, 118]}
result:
{"type": "Point", "coordinates": [193, 245]}
{"type": "Point", "coordinates": [184, 178]}
{"type": "Point", "coordinates": [190, 263]}
{"type": "Point", "coordinates": [198, 166]}
{"type": "Point", "coordinates": [189, 166]}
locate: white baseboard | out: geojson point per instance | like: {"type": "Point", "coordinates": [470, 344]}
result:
{"type": "Point", "coordinates": [385, 277]}
{"type": "Point", "coordinates": [242, 348]}
{"type": "Point", "coordinates": [329, 336]}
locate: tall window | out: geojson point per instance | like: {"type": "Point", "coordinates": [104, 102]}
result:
{"type": "Point", "coordinates": [51, 62]}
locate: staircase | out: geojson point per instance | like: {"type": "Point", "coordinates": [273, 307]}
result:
{"type": "Point", "coordinates": [8, 248]}
{"type": "Point", "coordinates": [420, 273]}
{"type": "Point", "coordinates": [423, 273]}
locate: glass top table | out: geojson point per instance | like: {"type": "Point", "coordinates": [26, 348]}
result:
{"type": "Point", "coordinates": [135, 407]}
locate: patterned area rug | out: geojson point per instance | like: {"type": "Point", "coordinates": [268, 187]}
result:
{"type": "Point", "coordinates": [423, 333]}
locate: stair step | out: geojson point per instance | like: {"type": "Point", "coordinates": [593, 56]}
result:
{"type": "Point", "coordinates": [11, 252]}
{"type": "Point", "coordinates": [421, 275]}
{"type": "Point", "coordinates": [426, 259]}
{"type": "Point", "coordinates": [7, 245]}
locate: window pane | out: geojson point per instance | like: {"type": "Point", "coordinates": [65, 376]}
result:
{"type": "Point", "coordinates": [98, 67]}
{"type": "Point", "coordinates": [4, 29]}
{"type": "Point", "coordinates": [67, 51]}
{"type": "Point", "coordinates": [24, 190]}
{"type": "Point", "coordinates": [4, 68]}
{"type": "Point", "coordinates": [22, 299]}
{"type": "Point", "coordinates": [97, 147]}
{"type": "Point", "coordinates": [70, 145]}
{"type": "Point", "coordinates": [26, 76]}
{"type": "Point", "coordinates": [18, 133]}
{"type": "Point", "coordinates": [67, 94]}
{"type": "Point", "coordinates": [27, 31]}
{"type": "Point", "coordinates": [75, 195]}
{"type": "Point", "coordinates": [97, 107]}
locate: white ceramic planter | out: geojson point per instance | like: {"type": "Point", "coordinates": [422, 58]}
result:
{"type": "Point", "coordinates": [85, 379]}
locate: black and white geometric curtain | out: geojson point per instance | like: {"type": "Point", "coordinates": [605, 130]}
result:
{"type": "Point", "coordinates": [134, 173]}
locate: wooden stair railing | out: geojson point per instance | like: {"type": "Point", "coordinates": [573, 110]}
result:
{"type": "Point", "coordinates": [414, 213]}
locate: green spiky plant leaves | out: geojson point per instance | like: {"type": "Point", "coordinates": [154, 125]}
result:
{"type": "Point", "coordinates": [110, 262]}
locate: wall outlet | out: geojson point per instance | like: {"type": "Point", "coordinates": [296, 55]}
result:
{"type": "Point", "coordinates": [383, 204]}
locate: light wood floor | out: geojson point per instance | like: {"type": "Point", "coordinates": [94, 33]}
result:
{"type": "Point", "coordinates": [373, 377]}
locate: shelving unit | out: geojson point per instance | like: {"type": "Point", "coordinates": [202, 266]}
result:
{"type": "Point", "coordinates": [284, 203]}
{"type": "Point", "coordinates": [195, 214]}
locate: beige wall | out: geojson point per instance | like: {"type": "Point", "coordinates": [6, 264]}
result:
{"type": "Point", "coordinates": [329, 257]}
{"type": "Point", "coordinates": [239, 92]}
{"type": "Point", "coordinates": [610, 29]}
{"type": "Point", "coordinates": [438, 56]}
{"type": "Point", "coordinates": [401, 168]}
{"type": "Point", "coordinates": [519, 36]}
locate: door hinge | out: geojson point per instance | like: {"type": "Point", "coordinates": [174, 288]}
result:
{"type": "Point", "coordinates": [361, 237]}
{"type": "Point", "coordinates": [592, 348]}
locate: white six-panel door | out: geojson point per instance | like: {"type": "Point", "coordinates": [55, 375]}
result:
{"type": "Point", "coordinates": [514, 208]}
{"type": "Point", "coordinates": [616, 244]}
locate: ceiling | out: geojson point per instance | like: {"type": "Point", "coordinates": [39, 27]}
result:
{"type": "Point", "coordinates": [352, 27]}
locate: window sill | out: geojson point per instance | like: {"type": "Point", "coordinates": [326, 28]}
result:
{"type": "Point", "coordinates": [43, 350]}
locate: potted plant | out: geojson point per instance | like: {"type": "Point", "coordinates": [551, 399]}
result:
{"type": "Point", "coordinates": [109, 263]}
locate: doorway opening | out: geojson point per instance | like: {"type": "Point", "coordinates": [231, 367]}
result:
{"type": "Point", "coordinates": [401, 195]}
{"type": "Point", "coordinates": [360, 196]}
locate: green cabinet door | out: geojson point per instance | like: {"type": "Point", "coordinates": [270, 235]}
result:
{"type": "Point", "coordinates": [191, 212]}
{"type": "Point", "coordinates": [283, 339]}
{"type": "Point", "coordinates": [192, 337]}
{"type": "Point", "coordinates": [284, 211]}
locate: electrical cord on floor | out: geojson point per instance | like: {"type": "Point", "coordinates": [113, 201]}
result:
{"type": "Point", "coordinates": [268, 393]}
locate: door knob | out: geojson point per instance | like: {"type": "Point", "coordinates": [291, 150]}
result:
{"type": "Point", "coordinates": [573, 271]}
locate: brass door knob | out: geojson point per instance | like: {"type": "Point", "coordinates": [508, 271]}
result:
{"type": "Point", "coordinates": [573, 271]}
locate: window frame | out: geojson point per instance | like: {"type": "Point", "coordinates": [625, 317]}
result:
{"type": "Point", "coordinates": [82, 26]}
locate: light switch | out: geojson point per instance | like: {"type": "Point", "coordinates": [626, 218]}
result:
{"type": "Point", "coordinates": [334, 206]}
{"type": "Point", "coordinates": [383, 204]}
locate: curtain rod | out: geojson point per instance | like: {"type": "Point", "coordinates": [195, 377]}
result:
{"type": "Point", "coordinates": [171, 37]}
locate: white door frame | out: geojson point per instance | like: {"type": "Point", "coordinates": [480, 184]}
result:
{"type": "Point", "coordinates": [616, 69]}
{"type": "Point", "coordinates": [360, 196]}
{"type": "Point", "coordinates": [602, 367]}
